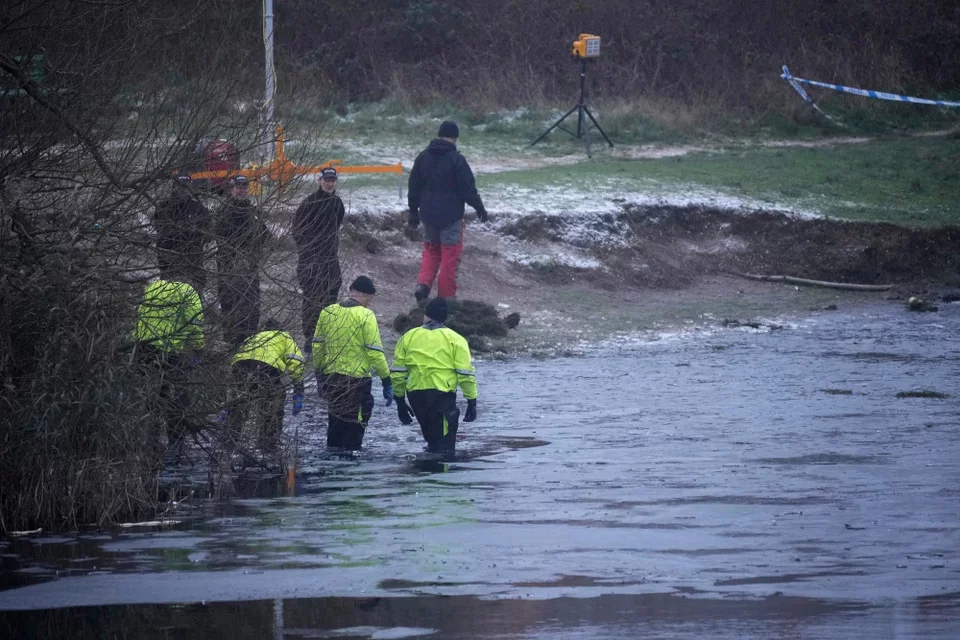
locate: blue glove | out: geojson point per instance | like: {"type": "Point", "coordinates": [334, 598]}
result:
{"type": "Point", "coordinates": [297, 403]}
{"type": "Point", "coordinates": [222, 416]}
{"type": "Point", "coordinates": [387, 392]}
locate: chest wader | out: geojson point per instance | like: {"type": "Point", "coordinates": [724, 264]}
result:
{"type": "Point", "coordinates": [258, 390]}
{"type": "Point", "coordinates": [438, 415]}
{"type": "Point", "coordinates": [350, 405]}
{"type": "Point", "coordinates": [441, 254]}
{"type": "Point", "coordinates": [168, 376]}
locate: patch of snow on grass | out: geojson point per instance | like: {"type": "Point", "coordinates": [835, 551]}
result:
{"type": "Point", "coordinates": [561, 259]}
{"type": "Point", "coordinates": [613, 195]}
{"type": "Point", "coordinates": [591, 198]}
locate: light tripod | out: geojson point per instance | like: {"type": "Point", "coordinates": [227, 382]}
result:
{"type": "Point", "coordinates": [583, 127]}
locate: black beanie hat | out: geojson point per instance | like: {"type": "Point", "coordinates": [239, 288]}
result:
{"type": "Point", "coordinates": [437, 309]}
{"type": "Point", "coordinates": [448, 129]}
{"type": "Point", "coordinates": [363, 284]}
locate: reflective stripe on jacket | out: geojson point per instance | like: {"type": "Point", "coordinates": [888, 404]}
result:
{"type": "Point", "coordinates": [275, 348]}
{"type": "Point", "coordinates": [170, 317]}
{"type": "Point", "coordinates": [347, 341]}
{"type": "Point", "coordinates": [433, 357]}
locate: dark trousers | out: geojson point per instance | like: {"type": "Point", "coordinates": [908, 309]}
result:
{"type": "Point", "coordinates": [438, 415]}
{"type": "Point", "coordinates": [257, 389]}
{"type": "Point", "coordinates": [320, 283]}
{"type": "Point", "coordinates": [184, 266]}
{"type": "Point", "coordinates": [167, 383]}
{"type": "Point", "coordinates": [349, 407]}
{"type": "Point", "coordinates": [239, 307]}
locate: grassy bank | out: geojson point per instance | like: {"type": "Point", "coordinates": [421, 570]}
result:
{"type": "Point", "coordinates": [871, 169]}
{"type": "Point", "coordinates": [914, 181]}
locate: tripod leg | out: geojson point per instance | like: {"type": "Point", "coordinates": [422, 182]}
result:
{"type": "Point", "coordinates": [554, 126]}
{"type": "Point", "coordinates": [597, 125]}
{"type": "Point", "coordinates": [586, 140]}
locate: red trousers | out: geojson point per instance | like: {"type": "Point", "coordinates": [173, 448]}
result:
{"type": "Point", "coordinates": [441, 253]}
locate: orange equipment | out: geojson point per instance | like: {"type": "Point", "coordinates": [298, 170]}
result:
{"type": "Point", "coordinates": [281, 170]}
{"type": "Point", "coordinates": [586, 46]}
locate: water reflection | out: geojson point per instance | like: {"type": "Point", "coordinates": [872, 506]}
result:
{"type": "Point", "coordinates": [608, 616]}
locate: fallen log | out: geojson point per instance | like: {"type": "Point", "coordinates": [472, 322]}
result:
{"type": "Point", "coordinates": [815, 283]}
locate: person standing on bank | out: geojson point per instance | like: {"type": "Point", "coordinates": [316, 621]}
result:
{"type": "Point", "coordinates": [346, 347]}
{"type": "Point", "coordinates": [183, 227]}
{"type": "Point", "coordinates": [430, 362]}
{"type": "Point", "coordinates": [241, 239]}
{"type": "Point", "coordinates": [441, 182]}
{"type": "Point", "coordinates": [316, 230]}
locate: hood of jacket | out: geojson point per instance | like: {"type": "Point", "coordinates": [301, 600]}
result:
{"type": "Point", "coordinates": [439, 146]}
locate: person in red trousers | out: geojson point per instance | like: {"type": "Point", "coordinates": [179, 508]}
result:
{"type": "Point", "coordinates": [440, 184]}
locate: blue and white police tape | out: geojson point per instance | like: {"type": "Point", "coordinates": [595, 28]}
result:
{"type": "Point", "coordinates": [803, 94]}
{"type": "Point", "coordinates": [877, 95]}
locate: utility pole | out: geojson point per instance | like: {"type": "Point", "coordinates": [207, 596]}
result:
{"type": "Point", "coordinates": [267, 123]}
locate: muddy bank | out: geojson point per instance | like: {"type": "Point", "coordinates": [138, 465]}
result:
{"type": "Point", "coordinates": [663, 246]}
{"type": "Point", "coordinates": [578, 277]}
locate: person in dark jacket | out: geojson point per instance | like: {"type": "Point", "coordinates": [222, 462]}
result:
{"type": "Point", "coordinates": [241, 239]}
{"type": "Point", "coordinates": [441, 182]}
{"type": "Point", "coordinates": [183, 227]}
{"type": "Point", "coordinates": [316, 230]}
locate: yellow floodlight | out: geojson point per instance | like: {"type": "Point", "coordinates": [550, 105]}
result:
{"type": "Point", "coordinates": [586, 49]}
{"type": "Point", "coordinates": [586, 46]}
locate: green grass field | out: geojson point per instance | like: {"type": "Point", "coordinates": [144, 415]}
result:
{"type": "Point", "coordinates": [911, 179]}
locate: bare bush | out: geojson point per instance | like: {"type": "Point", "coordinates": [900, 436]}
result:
{"type": "Point", "coordinates": [107, 100]}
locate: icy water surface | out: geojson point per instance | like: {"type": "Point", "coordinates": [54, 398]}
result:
{"type": "Point", "coordinates": [731, 484]}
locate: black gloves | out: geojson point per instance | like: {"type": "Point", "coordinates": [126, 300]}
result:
{"type": "Point", "coordinates": [482, 215]}
{"type": "Point", "coordinates": [413, 219]}
{"type": "Point", "coordinates": [403, 411]}
{"type": "Point", "coordinates": [471, 413]}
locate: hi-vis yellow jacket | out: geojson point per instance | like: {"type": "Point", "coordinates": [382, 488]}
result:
{"type": "Point", "coordinates": [433, 357]}
{"type": "Point", "coordinates": [275, 348]}
{"type": "Point", "coordinates": [170, 317]}
{"type": "Point", "coordinates": [347, 341]}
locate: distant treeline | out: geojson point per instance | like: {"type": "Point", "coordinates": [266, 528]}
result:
{"type": "Point", "coordinates": [507, 53]}
{"type": "Point", "coordinates": [514, 52]}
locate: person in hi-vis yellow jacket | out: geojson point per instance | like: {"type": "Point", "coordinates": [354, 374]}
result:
{"type": "Point", "coordinates": [169, 339]}
{"type": "Point", "coordinates": [264, 366]}
{"type": "Point", "coordinates": [430, 362]}
{"type": "Point", "coordinates": [346, 347]}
